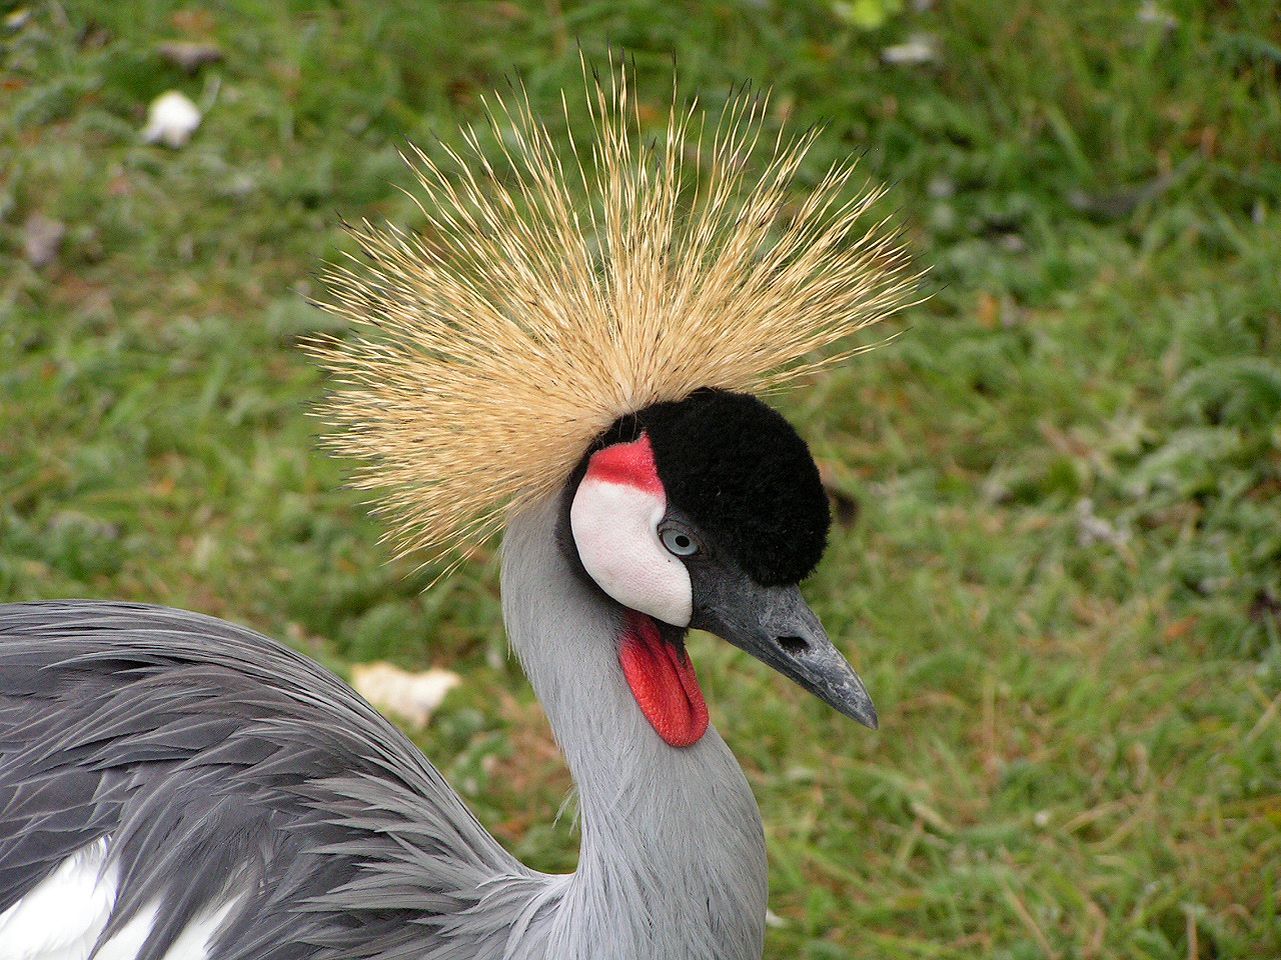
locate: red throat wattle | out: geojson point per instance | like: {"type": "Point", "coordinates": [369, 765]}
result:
{"type": "Point", "coordinates": [663, 682]}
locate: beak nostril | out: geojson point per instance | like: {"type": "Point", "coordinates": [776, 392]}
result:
{"type": "Point", "coordinates": [793, 645]}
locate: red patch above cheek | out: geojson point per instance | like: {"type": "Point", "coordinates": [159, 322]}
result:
{"type": "Point", "coordinates": [631, 464]}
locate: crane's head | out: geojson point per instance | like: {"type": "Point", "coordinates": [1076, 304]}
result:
{"type": "Point", "coordinates": [556, 293]}
{"type": "Point", "coordinates": [707, 513]}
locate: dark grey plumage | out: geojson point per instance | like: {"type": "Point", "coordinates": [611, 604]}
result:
{"type": "Point", "coordinates": [190, 741]}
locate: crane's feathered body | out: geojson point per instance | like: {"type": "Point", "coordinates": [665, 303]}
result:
{"type": "Point", "coordinates": [568, 349]}
{"type": "Point", "coordinates": [207, 772]}
{"type": "Point", "coordinates": [172, 739]}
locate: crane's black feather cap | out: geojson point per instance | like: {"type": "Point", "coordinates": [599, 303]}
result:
{"type": "Point", "coordinates": [740, 471]}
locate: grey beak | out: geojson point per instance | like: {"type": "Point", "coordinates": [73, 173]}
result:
{"type": "Point", "coordinates": [777, 627]}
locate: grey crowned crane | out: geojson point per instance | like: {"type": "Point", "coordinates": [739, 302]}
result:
{"type": "Point", "coordinates": [570, 351]}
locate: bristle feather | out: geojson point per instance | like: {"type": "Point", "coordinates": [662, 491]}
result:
{"type": "Point", "coordinates": [489, 351]}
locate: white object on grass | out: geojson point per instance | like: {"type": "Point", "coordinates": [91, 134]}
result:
{"type": "Point", "coordinates": [171, 119]}
{"type": "Point", "coordinates": [412, 696]}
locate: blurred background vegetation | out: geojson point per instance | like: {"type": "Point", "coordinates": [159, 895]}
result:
{"type": "Point", "coordinates": [1059, 559]}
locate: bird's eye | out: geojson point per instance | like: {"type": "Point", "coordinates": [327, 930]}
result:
{"type": "Point", "coordinates": [678, 542]}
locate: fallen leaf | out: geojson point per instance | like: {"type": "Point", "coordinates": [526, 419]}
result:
{"type": "Point", "coordinates": [190, 56]}
{"type": "Point", "coordinates": [920, 49]}
{"type": "Point", "coordinates": [413, 697]}
{"type": "Point", "coordinates": [171, 119]}
{"type": "Point", "coordinates": [42, 239]}
{"type": "Point", "coordinates": [1179, 628]}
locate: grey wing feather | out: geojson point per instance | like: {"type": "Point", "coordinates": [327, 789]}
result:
{"type": "Point", "coordinates": [220, 764]}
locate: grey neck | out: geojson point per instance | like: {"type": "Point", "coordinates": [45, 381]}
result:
{"type": "Point", "coordinates": [672, 862]}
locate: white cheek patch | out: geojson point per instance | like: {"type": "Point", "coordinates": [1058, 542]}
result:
{"type": "Point", "coordinates": [615, 527]}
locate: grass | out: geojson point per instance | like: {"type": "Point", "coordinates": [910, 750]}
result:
{"type": "Point", "coordinates": [1063, 584]}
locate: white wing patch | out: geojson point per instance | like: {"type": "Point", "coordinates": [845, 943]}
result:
{"type": "Point", "coordinates": [62, 917]}
{"type": "Point", "coordinates": [127, 944]}
{"type": "Point", "coordinates": [193, 942]}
